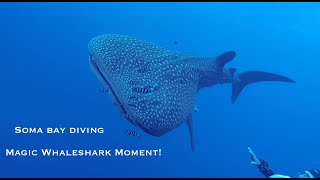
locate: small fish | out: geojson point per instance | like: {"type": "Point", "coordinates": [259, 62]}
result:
{"type": "Point", "coordinates": [195, 109]}
{"type": "Point", "coordinates": [104, 90]}
{"type": "Point", "coordinates": [132, 133]}
{"type": "Point", "coordinates": [145, 89]}
{"type": "Point", "coordinates": [133, 106]}
{"type": "Point", "coordinates": [175, 46]}
{"type": "Point", "coordinates": [134, 82]}
{"type": "Point", "coordinates": [143, 70]}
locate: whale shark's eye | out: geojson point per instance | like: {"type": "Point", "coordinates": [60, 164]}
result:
{"type": "Point", "coordinates": [91, 57]}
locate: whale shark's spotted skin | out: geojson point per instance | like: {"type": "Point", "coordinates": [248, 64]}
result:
{"type": "Point", "coordinates": [153, 87]}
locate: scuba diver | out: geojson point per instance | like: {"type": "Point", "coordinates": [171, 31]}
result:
{"type": "Point", "coordinates": [264, 168]}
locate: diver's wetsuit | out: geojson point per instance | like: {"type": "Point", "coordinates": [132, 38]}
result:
{"type": "Point", "coordinates": [265, 169]}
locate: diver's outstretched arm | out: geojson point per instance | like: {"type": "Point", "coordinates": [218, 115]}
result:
{"type": "Point", "coordinates": [262, 165]}
{"type": "Point", "coordinates": [254, 159]}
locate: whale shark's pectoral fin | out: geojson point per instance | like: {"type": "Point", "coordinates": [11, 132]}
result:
{"type": "Point", "coordinates": [252, 77]}
{"type": "Point", "coordinates": [190, 126]}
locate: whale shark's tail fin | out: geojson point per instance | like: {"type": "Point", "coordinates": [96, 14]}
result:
{"type": "Point", "coordinates": [249, 77]}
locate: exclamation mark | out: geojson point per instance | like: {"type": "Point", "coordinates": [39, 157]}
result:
{"type": "Point", "coordinates": [159, 152]}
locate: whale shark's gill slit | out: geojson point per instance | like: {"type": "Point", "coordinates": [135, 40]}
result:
{"type": "Point", "coordinates": [132, 97]}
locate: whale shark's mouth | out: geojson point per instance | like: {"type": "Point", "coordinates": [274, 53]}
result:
{"type": "Point", "coordinates": [98, 71]}
{"type": "Point", "coordinates": [96, 68]}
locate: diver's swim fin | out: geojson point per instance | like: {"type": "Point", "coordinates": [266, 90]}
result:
{"type": "Point", "coordinates": [249, 77]}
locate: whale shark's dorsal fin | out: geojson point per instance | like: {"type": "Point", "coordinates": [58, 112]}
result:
{"type": "Point", "coordinates": [190, 126]}
{"type": "Point", "coordinates": [224, 58]}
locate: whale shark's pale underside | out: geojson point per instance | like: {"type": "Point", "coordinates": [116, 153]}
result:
{"type": "Point", "coordinates": [155, 88]}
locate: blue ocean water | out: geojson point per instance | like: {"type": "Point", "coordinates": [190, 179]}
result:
{"type": "Point", "coordinates": [46, 81]}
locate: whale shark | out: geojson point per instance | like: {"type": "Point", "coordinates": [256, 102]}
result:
{"type": "Point", "coordinates": [155, 88]}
